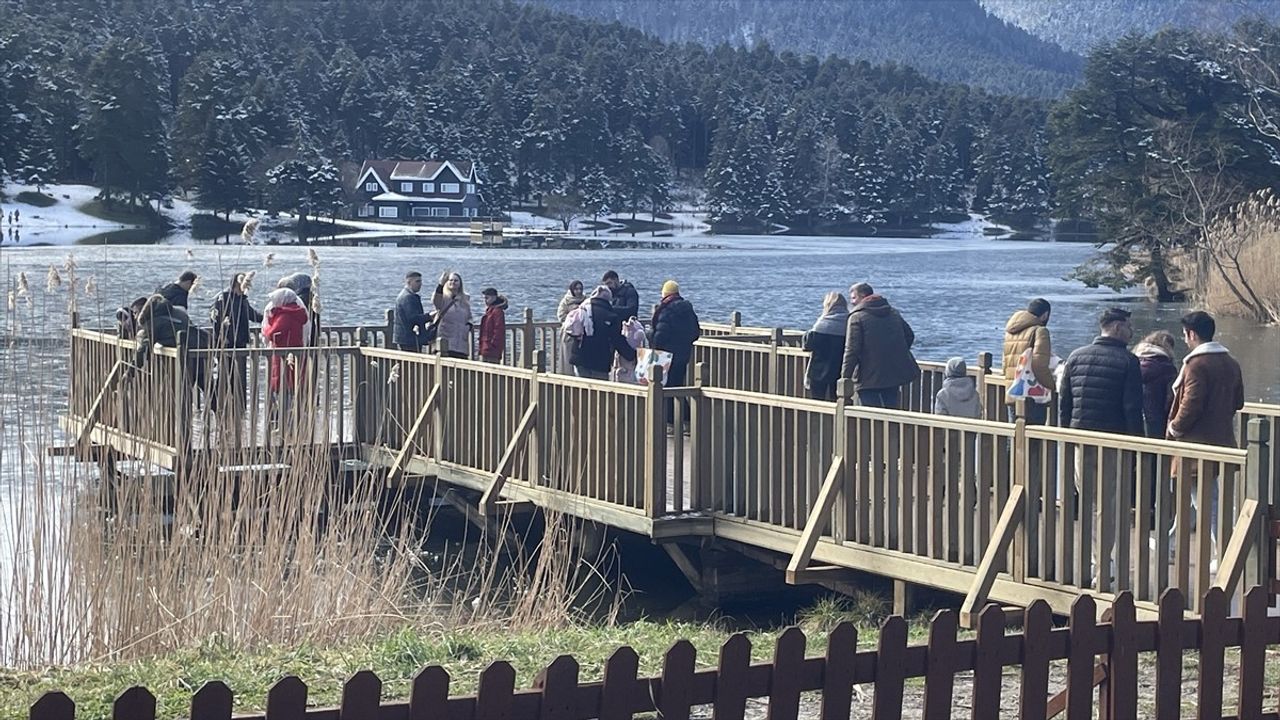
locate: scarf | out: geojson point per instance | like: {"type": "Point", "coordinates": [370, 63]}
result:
{"type": "Point", "coordinates": [835, 322]}
{"type": "Point", "coordinates": [1209, 348]}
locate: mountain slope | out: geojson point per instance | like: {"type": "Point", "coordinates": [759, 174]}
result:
{"type": "Point", "coordinates": [1078, 26]}
{"type": "Point", "coordinates": [951, 40]}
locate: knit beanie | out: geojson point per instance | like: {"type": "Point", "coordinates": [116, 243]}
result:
{"type": "Point", "coordinates": [670, 287]}
{"type": "Point", "coordinates": [956, 368]}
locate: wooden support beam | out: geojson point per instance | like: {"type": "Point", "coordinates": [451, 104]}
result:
{"type": "Point", "coordinates": [86, 431]}
{"type": "Point", "coordinates": [820, 575]}
{"type": "Point", "coordinates": [817, 521]}
{"type": "Point", "coordinates": [411, 437]}
{"type": "Point", "coordinates": [903, 598]}
{"type": "Point", "coordinates": [488, 502]}
{"type": "Point", "coordinates": [992, 560]}
{"type": "Point", "coordinates": [486, 524]}
{"type": "Point", "coordinates": [685, 564]}
{"type": "Point", "coordinates": [1242, 540]}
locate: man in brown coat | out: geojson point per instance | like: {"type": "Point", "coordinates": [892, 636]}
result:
{"type": "Point", "coordinates": [1209, 390]}
{"type": "Point", "coordinates": [877, 349]}
{"type": "Point", "coordinates": [1028, 329]}
{"type": "Point", "coordinates": [1206, 396]}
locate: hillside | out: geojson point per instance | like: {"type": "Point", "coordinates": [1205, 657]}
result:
{"type": "Point", "coordinates": [949, 40]}
{"type": "Point", "coordinates": [1078, 26]}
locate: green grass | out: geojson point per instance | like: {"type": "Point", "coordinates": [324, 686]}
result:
{"type": "Point", "coordinates": [397, 657]}
{"type": "Point", "coordinates": [119, 212]}
{"type": "Point", "coordinates": [35, 199]}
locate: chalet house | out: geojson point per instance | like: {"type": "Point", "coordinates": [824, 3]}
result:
{"type": "Point", "coordinates": [418, 190]}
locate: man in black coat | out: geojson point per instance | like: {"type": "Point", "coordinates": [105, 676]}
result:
{"type": "Point", "coordinates": [626, 301]}
{"type": "Point", "coordinates": [592, 354]}
{"type": "Point", "coordinates": [177, 293]}
{"type": "Point", "coordinates": [675, 329]}
{"type": "Point", "coordinates": [232, 315]}
{"type": "Point", "coordinates": [410, 319]}
{"type": "Point", "coordinates": [1102, 382]}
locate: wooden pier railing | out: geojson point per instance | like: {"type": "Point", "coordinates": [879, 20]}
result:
{"type": "Point", "coordinates": [987, 508]}
{"type": "Point", "coordinates": [1115, 668]}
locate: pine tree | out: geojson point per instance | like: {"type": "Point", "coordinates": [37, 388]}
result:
{"type": "Point", "coordinates": [222, 177]}
{"type": "Point", "coordinates": [38, 159]}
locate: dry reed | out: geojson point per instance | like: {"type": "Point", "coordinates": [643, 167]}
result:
{"type": "Point", "coordinates": [1237, 266]}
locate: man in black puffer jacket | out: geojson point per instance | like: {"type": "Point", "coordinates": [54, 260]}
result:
{"type": "Point", "coordinates": [675, 329]}
{"type": "Point", "coordinates": [1102, 382]}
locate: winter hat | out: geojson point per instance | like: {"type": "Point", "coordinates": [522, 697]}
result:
{"type": "Point", "coordinates": [670, 287]}
{"type": "Point", "coordinates": [956, 368]}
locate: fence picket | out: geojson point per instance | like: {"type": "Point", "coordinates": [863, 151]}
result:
{"type": "Point", "coordinates": [54, 706]}
{"type": "Point", "coordinates": [429, 693]}
{"type": "Point", "coordinates": [287, 699]}
{"type": "Point", "coordinates": [838, 672]}
{"type": "Point", "coordinates": [1037, 624]}
{"type": "Point", "coordinates": [558, 683]}
{"type": "Point", "coordinates": [940, 673]}
{"type": "Point", "coordinates": [361, 696]}
{"type": "Point", "coordinates": [213, 701]}
{"type": "Point", "coordinates": [890, 669]}
{"type": "Point", "coordinates": [620, 684]}
{"type": "Point", "coordinates": [676, 696]}
{"type": "Point", "coordinates": [1253, 654]}
{"type": "Point", "coordinates": [784, 687]}
{"type": "Point", "coordinates": [1122, 662]}
{"type": "Point", "coordinates": [1169, 655]}
{"type": "Point", "coordinates": [1213, 637]}
{"type": "Point", "coordinates": [987, 669]}
{"type": "Point", "coordinates": [1080, 652]}
{"type": "Point", "coordinates": [136, 703]}
{"type": "Point", "coordinates": [493, 695]}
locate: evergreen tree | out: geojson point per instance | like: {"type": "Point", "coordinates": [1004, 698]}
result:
{"type": "Point", "coordinates": [222, 176]}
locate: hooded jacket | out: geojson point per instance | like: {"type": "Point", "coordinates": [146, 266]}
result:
{"type": "Point", "coordinates": [825, 343]}
{"type": "Point", "coordinates": [567, 303]}
{"type": "Point", "coordinates": [626, 301]}
{"type": "Point", "coordinates": [175, 294]}
{"type": "Point", "coordinates": [1158, 373]}
{"type": "Point", "coordinates": [594, 351]}
{"type": "Point", "coordinates": [1206, 397]}
{"type": "Point", "coordinates": [493, 329]}
{"type": "Point", "coordinates": [1102, 389]}
{"type": "Point", "coordinates": [877, 347]}
{"type": "Point", "coordinates": [959, 394]}
{"type": "Point", "coordinates": [285, 327]}
{"type": "Point", "coordinates": [1023, 331]}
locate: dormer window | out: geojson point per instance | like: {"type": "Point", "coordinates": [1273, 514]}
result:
{"type": "Point", "coordinates": [471, 188]}
{"type": "Point", "coordinates": [371, 187]}
{"type": "Point", "coordinates": [450, 188]}
{"type": "Point", "coordinates": [428, 187]}
{"type": "Point", "coordinates": [406, 187]}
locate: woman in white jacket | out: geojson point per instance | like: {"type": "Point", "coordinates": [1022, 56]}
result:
{"type": "Point", "coordinates": [454, 312]}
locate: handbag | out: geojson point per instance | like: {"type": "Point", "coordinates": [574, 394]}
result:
{"type": "Point", "coordinates": [1024, 385]}
{"type": "Point", "coordinates": [647, 359]}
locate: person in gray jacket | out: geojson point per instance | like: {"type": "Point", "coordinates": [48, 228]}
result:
{"type": "Point", "coordinates": [959, 394]}
{"type": "Point", "coordinates": [410, 319]}
{"type": "Point", "coordinates": [877, 349]}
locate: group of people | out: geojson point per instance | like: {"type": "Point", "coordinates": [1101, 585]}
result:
{"type": "Point", "coordinates": [1103, 386]}
{"type": "Point", "coordinates": [600, 331]}
{"type": "Point", "coordinates": [288, 320]}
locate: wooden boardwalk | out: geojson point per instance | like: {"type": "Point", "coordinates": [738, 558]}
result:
{"type": "Point", "coordinates": [987, 508]}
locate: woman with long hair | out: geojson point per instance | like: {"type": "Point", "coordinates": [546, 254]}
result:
{"type": "Point", "coordinates": [453, 308]}
{"type": "Point", "coordinates": [825, 343]}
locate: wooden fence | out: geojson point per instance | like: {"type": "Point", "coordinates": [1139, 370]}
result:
{"type": "Point", "coordinates": [1116, 668]}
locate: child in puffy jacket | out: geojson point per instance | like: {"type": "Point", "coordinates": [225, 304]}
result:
{"type": "Point", "coordinates": [959, 394]}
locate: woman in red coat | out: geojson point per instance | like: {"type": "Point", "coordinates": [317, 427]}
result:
{"type": "Point", "coordinates": [285, 325]}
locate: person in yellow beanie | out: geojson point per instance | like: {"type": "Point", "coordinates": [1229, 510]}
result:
{"type": "Point", "coordinates": [670, 287]}
{"type": "Point", "coordinates": [675, 329]}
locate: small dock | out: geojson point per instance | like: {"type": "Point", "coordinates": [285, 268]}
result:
{"type": "Point", "coordinates": [993, 510]}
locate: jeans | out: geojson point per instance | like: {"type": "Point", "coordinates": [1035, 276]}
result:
{"type": "Point", "coordinates": [879, 397]}
{"type": "Point", "coordinates": [1037, 414]}
{"type": "Point", "coordinates": [582, 372]}
{"type": "Point", "coordinates": [409, 348]}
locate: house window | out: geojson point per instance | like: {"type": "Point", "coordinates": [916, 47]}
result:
{"type": "Point", "coordinates": [371, 187]}
{"type": "Point", "coordinates": [406, 187]}
{"type": "Point", "coordinates": [365, 211]}
{"type": "Point", "coordinates": [450, 188]}
{"type": "Point", "coordinates": [471, 188]}
{"type": "Point", "coordinates": [440, 212]}
{"type": "Point", "coordinates": [428, 187]}
{"type": "Point", "coordinates": [388, 211]}
{"type": "Point", "coordinates": [421, 211]}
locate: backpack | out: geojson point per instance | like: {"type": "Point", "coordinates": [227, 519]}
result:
{"type": "Point", "coordinates": [574, 325]}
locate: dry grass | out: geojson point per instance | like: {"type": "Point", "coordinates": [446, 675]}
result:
{"type": "Point", "coordinates": [1237, 269]}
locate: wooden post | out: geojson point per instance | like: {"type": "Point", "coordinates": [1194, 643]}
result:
{"type": "Point", "coordinates": [388, 332]}
{"type": "Point", "coordinates": [842, 522]}
{"type": "Point", "coordinates": [735, 322]}
{"type": "Point", "coordinates": [359, 390]}
{"type": "Point", "coordinates": [533, 450]}
{"type": "Point", "coordinates": [1019, 564]}
{"type": "Point", "coordinates": [700, 442]}
{"type": "Point", "coordinates": [526, 340]}
{"type": "Point", "coordinates": [984, 369]}
{"type": "Point", "coordinates": [656, 448]}
{"type": "Point", "coordinates": [1259, 569]}
{"type": "Point", "coordinates": [903, 597]}
{"type": "Point", "coordinates": [182, 397]}
{"type": "Point", "coordinates": [775, 366]}
{"type": "Point", "coordinates": [437, 419]}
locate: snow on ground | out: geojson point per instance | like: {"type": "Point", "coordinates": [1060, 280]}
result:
{"type": "Point", "coordinates": [975, 226]}
{"type": "Point", "coordinates": [182, 211]}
